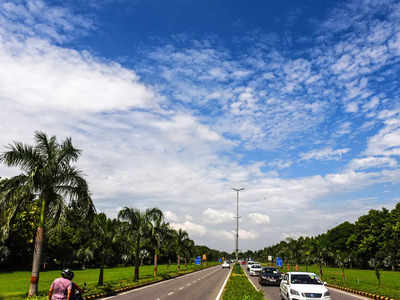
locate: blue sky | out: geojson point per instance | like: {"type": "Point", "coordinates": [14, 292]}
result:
{"type": "Point", "coordinates": [176, 102]}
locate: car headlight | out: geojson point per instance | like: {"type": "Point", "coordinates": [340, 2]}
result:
{"type": "Point", "coordinates": [294, 292]}
{"type": "Point", "coordinates": [327, 294]}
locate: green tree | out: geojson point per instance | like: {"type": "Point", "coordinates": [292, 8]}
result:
{"type": "Point", "coordinates": [157, 231]}
{"type": "Point", "coordinates": [48, 174]}
{"type": "Point", "coordinates": [188, 250]}
{"type": "Point", "coordinates": [180, 238]}
{"type": "Point", "coordinates": [105, 237]}
{"type": "Point", "coordinates": [138, 229]}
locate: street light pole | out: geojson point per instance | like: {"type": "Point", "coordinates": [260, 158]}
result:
{"type": "Point", "coordinates": [237, 190]}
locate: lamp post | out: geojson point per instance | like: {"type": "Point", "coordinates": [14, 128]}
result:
{"type": "Point", "coordinates": [237, 190]}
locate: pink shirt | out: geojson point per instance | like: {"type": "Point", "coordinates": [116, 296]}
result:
{"type": "Point", "coordinates": [60, 287]}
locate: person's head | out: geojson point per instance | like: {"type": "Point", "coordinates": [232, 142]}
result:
{"type": "Point", "coordinates": [67, 273]}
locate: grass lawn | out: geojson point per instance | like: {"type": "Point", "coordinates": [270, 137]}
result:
{"type": "Point", "coordinates": [362, 280]}
{"type": "Point", "coordinates": [14, 285]}
{"type": "Point", "coordinates": [239, 287]}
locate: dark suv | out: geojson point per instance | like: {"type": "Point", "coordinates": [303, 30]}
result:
{"type": "Point", "coordinates": [269, 276]}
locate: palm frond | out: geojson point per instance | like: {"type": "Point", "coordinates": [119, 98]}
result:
{"type": "Point", "coordinates": [44, 145]}
{"type": "Point", "coordinates": [68, 153]}
{"type": "Point", "coordinates": [23, 156]}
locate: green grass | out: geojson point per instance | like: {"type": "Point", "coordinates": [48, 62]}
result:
{"type": "Point", "coordinates": [239, 287]}
{"type": "Point", "coordinates": [362, 280]}
{"type": "Point", "coordinates": [15, 285]}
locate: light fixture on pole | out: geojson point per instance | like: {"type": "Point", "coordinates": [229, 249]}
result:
{"type": "Point", "coordinates": [237, 190]}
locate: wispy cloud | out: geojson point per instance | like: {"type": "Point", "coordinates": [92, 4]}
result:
{"type": "Point", "coordinates": [324, 154]}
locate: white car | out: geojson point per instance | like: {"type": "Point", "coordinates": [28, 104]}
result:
{"type": "Point", "coordinates": [225, 264]}
{"type": "Point", "coordinates": [249, 263]}
{"type": "Point", "coordinates": [255, 269]}
{"type": "Point", "coordinates": [303, 286]}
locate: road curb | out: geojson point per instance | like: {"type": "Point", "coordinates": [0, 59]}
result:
{"type": "Point", "coordinates": [131, 287]}
{"type": "Point", "coordinates": [221, 291]}
{"type": "Point", "coordinates": [248, 278]}
{"type": "Point", "coordinates": [361, 293]}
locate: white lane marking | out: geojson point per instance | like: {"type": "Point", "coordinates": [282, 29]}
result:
{"type": "Point", "coordinates": [181, 288]}
{"type": "Point", "coordinates": [188, 284]}
{"type": "Point", "coordinates": [170, 293]}
{"type": "Point", "coordinates": [223, 286]}
{"type": "Point", "coordinates": [163, 282]}
{"type": "Point", "coordinates": [251, 281]}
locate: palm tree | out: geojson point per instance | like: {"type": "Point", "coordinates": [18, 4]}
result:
{"type": "Point", "coordinates": [180, 239]}
{"type": "Point", "coordinates": [105, 236]}
{"type": "Point", "coordinates": [138, 227]}
{"type": "Point", "coordinates": [188, 248]}
{"type": "Point", "coordinates": [47, 178]}
{"type": "Point", "coordinates": [158, 229]}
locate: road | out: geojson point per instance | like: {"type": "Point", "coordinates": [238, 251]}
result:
{"type": "Point", "coordinates": [272, 292]}
{"type": "Point", "coordinates": [202, 285]}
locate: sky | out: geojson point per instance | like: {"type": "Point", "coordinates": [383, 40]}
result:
{"type": "Point", "coordinates": [174, 103]}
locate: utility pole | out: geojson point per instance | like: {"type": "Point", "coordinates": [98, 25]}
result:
{"type": "Point", "coordinates": [237, 190]}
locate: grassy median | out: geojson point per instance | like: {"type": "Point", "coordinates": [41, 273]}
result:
{"type": "Point", "coordinates": [239, 287]}
{"type": "Point", "coordinates": [15, 285]}
{"type": "Point", "coordinates": [362, 280]}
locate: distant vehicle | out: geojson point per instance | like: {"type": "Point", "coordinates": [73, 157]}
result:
{"type": "Point", "coordinates": [303, 285]}
{"type": "Point", "coordinates": [255, 269]}
{"type": "Point", "coordinates": [270, 276]}
{"type": "Point", "coordinates": [225, 264]}
{"type": "Point", "coordinates": [249, 263]}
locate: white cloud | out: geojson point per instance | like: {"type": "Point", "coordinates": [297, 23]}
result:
{"type": "Point", "coordinates": [193, 229]}
{"type": "Point", "coordinates": [36, 18]}
{"type": "Point", "coordinates": [170, 216]}
{"type": "Point", "coordinates": [78, 81]}
{"type": "Point", "coordinates": [387, 140]}
{"type": "Point", "coordinates": [372, 162]}
{"type": "Point", "coordinates": [247, 235]}
{"type": "Point", "coordinates": [373, 103]}
{"type": "Point", "coordinates": [220, 216]}
{"type": "Point", "coordinates": [258, 218]}
{"type": "Point", "coordinates": [280, 164]}
{"type": "Point", "coordinates": [324, 154]}
{"type": "Point", "coordinates": [352, 107]}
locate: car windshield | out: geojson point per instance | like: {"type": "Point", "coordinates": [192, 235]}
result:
{"type": "Point", "coordinates": [256, 266]}
{"type": "Point", "coordinates": [270, 270]}
{"type": "Point", "coordinates": [305, 279]}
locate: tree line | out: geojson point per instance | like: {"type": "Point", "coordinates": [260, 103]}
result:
{"type": "Point", "coordinates": [48, 219]}
{"type": "Point", "coordinates": [373, 241]}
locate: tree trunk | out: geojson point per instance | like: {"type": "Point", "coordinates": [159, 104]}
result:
{"type": "Point", "coordinates": [137, 260]}
{"type": "Point", "coordinates": [101, 276]}
{"type": "Point", "coordinates": [320, 271]}
{"type": "Point", "coordinates": [185, 263]}
{"type": "Point", "coordinates": [155, 265]}
{"type": "Point", "coordinates": [179, 263]}
{"type": "Point", "coordinates": [37, 254]}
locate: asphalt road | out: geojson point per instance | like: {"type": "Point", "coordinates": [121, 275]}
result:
{"type": "Point", "coordinates": [272, 292]}
{"type": "Point", "coordinates": [202, 285]}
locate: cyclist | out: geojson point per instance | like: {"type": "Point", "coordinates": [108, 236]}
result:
{"type": "Point", "coordinates": [61, 287]}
